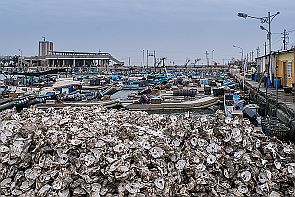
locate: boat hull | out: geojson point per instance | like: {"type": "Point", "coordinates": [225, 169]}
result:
{"type": "Point", "coordinates": [196, 104]}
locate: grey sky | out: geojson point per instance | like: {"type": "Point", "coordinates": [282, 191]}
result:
{"type": "Point", "coordinates": [176, 29]}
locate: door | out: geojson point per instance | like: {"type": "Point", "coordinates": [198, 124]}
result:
{"type": "Point", "coordinates": [285, 74]}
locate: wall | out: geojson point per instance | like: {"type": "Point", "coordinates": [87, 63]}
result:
{"type": "Point", "coordinates": [286, 57]}
{"type": "Point", "coordinates": [261, 63]}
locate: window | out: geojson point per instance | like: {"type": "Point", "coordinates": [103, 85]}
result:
{"type": "Point", "coordinates": [289, 69]}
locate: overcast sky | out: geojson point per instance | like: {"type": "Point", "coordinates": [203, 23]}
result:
{"type": "Point", "coordinates": [176, 29]}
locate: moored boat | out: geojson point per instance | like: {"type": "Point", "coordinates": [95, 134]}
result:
{"type": "Point", "coordinates": [185, 105]}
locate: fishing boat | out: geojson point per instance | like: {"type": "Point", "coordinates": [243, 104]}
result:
{"type": "Point", "coordinates": [235, 106]}
{"type": "Point", "coordinates": [185, 105]}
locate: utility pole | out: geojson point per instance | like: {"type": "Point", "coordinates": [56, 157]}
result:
{"type": "Point", "coordinates": [207, 58]}
{"type": "Point", "coordinates": [212, 57]}
{"type": "Point", "coordinates": [147, 59]}
{"type": "Point", "coordinates": [257, 52]}
{"type": "Point", "coordinates": [242, 52]}
{"type": "Point", "coordinates": [264, 48]}
{"type": "Point", "coordinates": [266, 19]}
{"type": "Point", "coordinates": [129, 61]}
{"type": "Point", "coordinates": [155, 61]}
{"type": "Point", "coordinates": [143, 58]}
{"type": "Point", "coordinates": [269, 74]}
{"type": "Point", "coordinates": [285, 37]}
{"type": "Point", "coordinates": [21, 58]}
{"type": "Point", "coordinates": [247, 57]}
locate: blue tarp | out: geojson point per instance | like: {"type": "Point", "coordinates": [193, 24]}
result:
{"type": "Point", "coordinates": [236, 98]}
{"type": "Point", "coordinates": [160, 80]}
{"type": "Point", "coordinates": [48, 94]}
{"type": "Point", "coordinates": [227, 83]}
{"type": "Point", "coordinates": [116, 77]}
{"type": "Point", "coordinates": [204, 81]}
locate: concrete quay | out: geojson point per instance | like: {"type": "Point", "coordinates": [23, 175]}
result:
{"type": "Point", "coordinates": [277, 103]}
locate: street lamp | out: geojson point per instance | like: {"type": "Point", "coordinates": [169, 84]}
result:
{"type": "Point", "coordinates": [267, 19]}
{"type": "Point", "coordinates": [264, 19]}
{"type": "Point", "coordinates": [263, 28]}
{"type": "Point", "coordinates": [242, 51]}
{"type": "Point", "coordinates": [242, 60]}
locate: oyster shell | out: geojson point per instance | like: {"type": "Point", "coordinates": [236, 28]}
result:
{"type": "Point", "coordinates": [91, 151]}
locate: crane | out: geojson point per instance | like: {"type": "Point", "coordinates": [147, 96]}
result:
{"type": "Point", "coordinates": [196, 61]}
{"type": "Point", "coordinates": [186, 62]}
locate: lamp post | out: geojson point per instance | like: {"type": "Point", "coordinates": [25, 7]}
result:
{"type": "Point", "coordinates": [212, 57]}
{"type": "Point", "coordinates": [143, 59]}
{"type": "Point", "coordinates": [243, 65]}
{"type": "Point", "coordinates": [266, 19]}
{"type": "Point", "coordinates": [21, 58]}
{"type": "Point", "coordinates": [241, 52]}
{"type": "Point", "coordinates": [74, 61]}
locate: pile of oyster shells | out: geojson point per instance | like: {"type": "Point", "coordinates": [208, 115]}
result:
{"type": "Point", "coordinates": [91, 151]}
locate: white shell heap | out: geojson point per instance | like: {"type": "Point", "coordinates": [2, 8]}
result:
{"type": "Point", "coordinates": [91, 151]}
